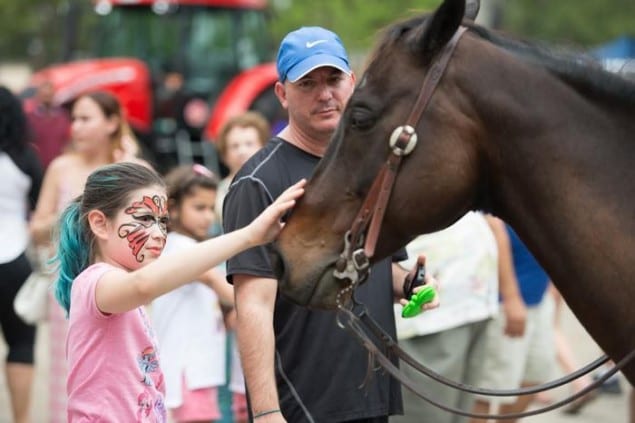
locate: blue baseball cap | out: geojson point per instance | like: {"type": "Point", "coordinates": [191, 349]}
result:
{"type": "Point", "coordinates": [310, 48]}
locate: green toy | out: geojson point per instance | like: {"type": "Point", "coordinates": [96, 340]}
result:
{"type": "Point", "coordinates": [417, 300]}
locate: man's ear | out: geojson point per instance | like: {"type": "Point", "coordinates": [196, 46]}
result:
{"type": "Point", "coordinates": [98, 223]}
{"type": "Point", "coordinates": [281, 92]}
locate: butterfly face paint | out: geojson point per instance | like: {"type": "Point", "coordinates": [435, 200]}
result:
{"type": "Point", "coordinates": [147, 213]}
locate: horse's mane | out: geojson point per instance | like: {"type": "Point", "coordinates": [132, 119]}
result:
{"type": "Point", "coordinates": [575, 68]}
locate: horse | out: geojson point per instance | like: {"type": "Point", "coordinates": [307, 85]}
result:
{"type": "Point", "coordinates": [541, 138]}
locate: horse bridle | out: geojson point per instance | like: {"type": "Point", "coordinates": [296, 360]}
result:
{"type": "Point", "coordinates": [360, 241]}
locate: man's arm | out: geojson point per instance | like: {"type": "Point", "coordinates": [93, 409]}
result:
{"type": "Point", "coordinates": [513, 305]}
{"type": "Point", "coordinates": [255, 301]}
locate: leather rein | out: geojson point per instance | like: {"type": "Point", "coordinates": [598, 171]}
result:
{"type": "Point", "coordinates": [354, 265]}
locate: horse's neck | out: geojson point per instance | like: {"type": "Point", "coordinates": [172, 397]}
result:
{"type": "Point", "coordinates": [563, 177]}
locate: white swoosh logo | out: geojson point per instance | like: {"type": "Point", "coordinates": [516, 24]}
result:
{"type": "Point", "coordinates": [311, 44]}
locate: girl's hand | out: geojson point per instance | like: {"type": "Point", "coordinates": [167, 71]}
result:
{"type": "Point", "coordinates": [266, 227]}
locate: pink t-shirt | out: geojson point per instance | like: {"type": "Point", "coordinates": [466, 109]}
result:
{"type": "Point", "coordinates": [114, 373]}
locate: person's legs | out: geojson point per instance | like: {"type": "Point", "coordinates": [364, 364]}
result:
{"type": "Point", "coordinates": [564, 353]}
{"type": "Point", "coordinates": [503, 366]}
{"type": "Point", "coordinates": [541, 353]}
{"type": "Point", "coordinates": [518, 406]}
{"type": "Point", "coordinates": [20, 339]}
{"type": "Point", "coordinates": [445, 353]}
{"type": "Point", "coordinates": [473, 372]}
{"type": "Point", "coordinates": [19, 381]}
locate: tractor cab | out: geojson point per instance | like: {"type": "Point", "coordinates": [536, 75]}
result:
{"type": "Point", "coordinates": [180, 68]}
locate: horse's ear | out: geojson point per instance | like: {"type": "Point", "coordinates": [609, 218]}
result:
{"type": "Point", "coordinates": [439, 29]}
{"type": "Point", "coordinates": [471, 9]}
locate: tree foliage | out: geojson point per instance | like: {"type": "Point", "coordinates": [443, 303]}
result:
{"type": "Point", "coordinates": [356, 21]}
{"type": "Point", "coordinates": [37, 30]}
{"type": "Point", "coordinates": [583, 23]}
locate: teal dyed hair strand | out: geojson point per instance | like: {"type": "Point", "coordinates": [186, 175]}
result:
{"type": "Point", "coordinates": [73, 252]}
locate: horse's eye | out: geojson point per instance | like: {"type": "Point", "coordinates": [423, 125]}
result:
{"type": "Point", "coordinates": [361, 119]}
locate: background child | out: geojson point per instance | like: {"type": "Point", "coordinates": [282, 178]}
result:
{"type": "Point", "coordinates": [109, 245]}
{"type": "Point", "coordinates": [189, 321]}
{"type": "Point", "coordinates": [238, 140]}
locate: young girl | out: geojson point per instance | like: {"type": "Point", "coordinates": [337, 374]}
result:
{"type": "Point", "coordinates": [189, 321]}
{"type": "Point", "coordinates": [110, 241]}
{"type": "Point", "coordinates": [238, 140]}
{"type": "Point", "coordinates": [100, 136]}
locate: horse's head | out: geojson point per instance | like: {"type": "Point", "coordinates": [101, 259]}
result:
{"type": "Point", "coordinates": [433, 182]}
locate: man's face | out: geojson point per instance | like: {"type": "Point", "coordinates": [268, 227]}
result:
{"type": "Point", "coordinates": [316, 101]}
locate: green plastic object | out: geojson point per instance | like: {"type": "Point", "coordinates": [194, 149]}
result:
{"type": "Point", "coordinates": [417, 300]}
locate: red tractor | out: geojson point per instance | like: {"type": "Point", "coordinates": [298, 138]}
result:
{"type": "Point", "coordinates": [180, 68]}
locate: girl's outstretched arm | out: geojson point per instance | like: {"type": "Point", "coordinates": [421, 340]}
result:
{"type": "Point", "coordinates": [120, 291]}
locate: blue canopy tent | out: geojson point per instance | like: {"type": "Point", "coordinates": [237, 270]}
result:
{"type": "Point", "coordinates": [617, 55]}
{"type": "Point", "coordinates": [623, 47]}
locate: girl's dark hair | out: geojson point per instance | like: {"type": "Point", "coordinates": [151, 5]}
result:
{"type": "Point", "coordinates": [13, 124]}
{"type": "Point", "coordinates": [181, 182]}
{"type": "Point", "coordinates": [107, 189]}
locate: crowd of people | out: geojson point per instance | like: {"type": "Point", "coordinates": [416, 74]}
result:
{"type": "Point", "coordinates": [123, 237]}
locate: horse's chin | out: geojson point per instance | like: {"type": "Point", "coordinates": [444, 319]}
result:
{"type": "Point", "coordinates": [322, 293]}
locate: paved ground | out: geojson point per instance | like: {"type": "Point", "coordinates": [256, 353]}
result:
{"type": "Point", "coordinates": [606, 409]}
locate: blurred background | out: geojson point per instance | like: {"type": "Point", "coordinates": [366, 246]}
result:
{"type": "Point", "coordinates": [41, 32]}
{"type": "Point", "coordinates": [182, 68]}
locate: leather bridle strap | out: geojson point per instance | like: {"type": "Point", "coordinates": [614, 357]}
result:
{"type": "Point", "coordinates": [372, 211]}
{"type": "Point", "coordinates": [387, 341]}
{"type": "Point", "coordinates": [356, 326]}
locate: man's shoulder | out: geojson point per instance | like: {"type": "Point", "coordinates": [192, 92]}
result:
{"type": "Point", "coordinates": [262, 156]}
{"type": "Point", "coordinates": [268, 164]}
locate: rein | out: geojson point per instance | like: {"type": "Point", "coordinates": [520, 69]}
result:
{"type": "Point", "coordinates": [359, 246]}
{"type": "Point", "coordinates": [360, 325]}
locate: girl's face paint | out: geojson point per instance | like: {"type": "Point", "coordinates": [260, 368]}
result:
{"type": "Point", "coordinates": [144, 225]}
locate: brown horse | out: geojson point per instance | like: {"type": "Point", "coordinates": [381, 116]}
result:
{"type": "Point", "coordinates": [543, 140]}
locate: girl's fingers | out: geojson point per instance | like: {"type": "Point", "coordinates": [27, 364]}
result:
{"type": "Point", "coordinates": [294, 191]}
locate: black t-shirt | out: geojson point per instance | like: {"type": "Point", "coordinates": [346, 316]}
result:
{"type": "Point", "coordinates": [319, 366]}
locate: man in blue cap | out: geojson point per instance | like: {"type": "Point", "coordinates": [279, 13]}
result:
{"type": "Point", "coordinates": [299, 366]}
